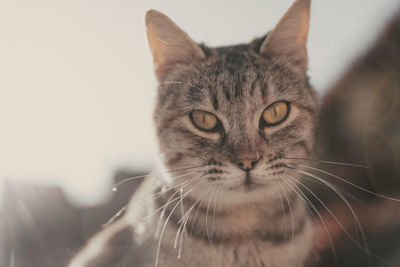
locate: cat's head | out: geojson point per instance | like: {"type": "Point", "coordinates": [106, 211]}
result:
{"type": "Point", "coordinates": [235, 114]}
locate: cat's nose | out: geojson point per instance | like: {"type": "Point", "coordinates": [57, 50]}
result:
{"type": "Point", "coordinates": [247, 163]}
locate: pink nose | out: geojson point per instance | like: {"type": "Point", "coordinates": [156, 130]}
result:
{"type": "Point", "coordinates": [247, 164]}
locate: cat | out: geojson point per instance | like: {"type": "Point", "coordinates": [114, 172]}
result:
{"type": "Point", "coordinates": [231, 122]}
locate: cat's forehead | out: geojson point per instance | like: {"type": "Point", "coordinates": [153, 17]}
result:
{"type": "Point", "coordinates": [231, 78]}
{"type": "Point", "coordinates": [234, 75]}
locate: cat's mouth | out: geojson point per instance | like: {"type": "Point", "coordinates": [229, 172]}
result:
{"type": "Point", "coordinates": [247, 185]}
{"type": "Point", "coordinates": [248, 180]}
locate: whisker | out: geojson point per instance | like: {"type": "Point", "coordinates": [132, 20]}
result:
{"type": "Point", "coordinates": [163, 207]}
{"type": "Point", "coordinates": [166, 221]}
{"type": "Point", "coordinates": [282, 206]}
{"type": "Point", "coordinates": [359, 227]}
{"type": "Point", "coordinates": [168, 202]}
{"type": "Point", "coordinates": [333, 162]}
{"type": "Point", "coordinates": [187, 218]}
{"type": "Point", "coordinates": [350, 183]}
{"type": "Point", "coordinates": [291, 212]}
{"type": "Point", "coordinates": [116, 185]}
{"type": "Point", "coordinates": [181, 200]}
{"type": "Point", "coordinates": [365, 247]}
{"type": "Point", "coordinates": [172, 82]}
{"type": "Point", "coordinates": [150, 198]}
{"type": "Point", "coordinates": [162, 41]}
{"type": "Point", "coordinates": [305, 198]}
{"type": "Point", "coordinates": [154, 196]}
{"type": "Point", "coordinates": [115, 216]}
{"type": "Point", "coordinates": [208, 207]}
{"type": "Point", "coordinates": [184, 215]}
{"type": "Point", "coordinates": [195, 215]}
{"type": "Point", "coordinates": [217, 194]}
{"type": "Point", "coordinates": [344, 192]}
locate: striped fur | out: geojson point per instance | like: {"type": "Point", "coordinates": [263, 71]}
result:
{"type": "Point", "coordinates": [212, 211]}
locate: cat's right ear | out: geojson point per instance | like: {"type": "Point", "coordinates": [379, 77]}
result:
{"type": "Point", "coordinates": [169, 44]}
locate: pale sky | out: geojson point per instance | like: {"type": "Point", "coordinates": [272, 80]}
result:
{"type": "Point", "coordinates": [77, 85]}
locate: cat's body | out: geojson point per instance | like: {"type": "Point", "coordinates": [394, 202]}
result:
{"type": "Point", "coordinates": [230, 121]}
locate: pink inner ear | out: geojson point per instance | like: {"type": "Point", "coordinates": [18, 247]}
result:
{"type": "Point", "coordinates": [159, 52]}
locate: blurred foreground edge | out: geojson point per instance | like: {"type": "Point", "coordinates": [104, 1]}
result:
{"type": "Point", "coordinates": [360, 123]}
{"type": "Point", "coordinates": [40, 228]}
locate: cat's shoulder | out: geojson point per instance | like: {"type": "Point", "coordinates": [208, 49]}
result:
{"type": "Point", "coordinates": [115, 246]}
{"type": "Point", "coordinates": [125, 241]}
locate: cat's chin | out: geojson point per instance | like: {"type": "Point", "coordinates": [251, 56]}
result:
{"type": "Point", "coordinates": [247, 188]}
{"type": "Point", "coordinates": [242, 196]}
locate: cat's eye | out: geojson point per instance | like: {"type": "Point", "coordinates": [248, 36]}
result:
{"type": "Point", "coordinates": [276, 113]}
{"type": "Point", "coordinates": [204, 120]}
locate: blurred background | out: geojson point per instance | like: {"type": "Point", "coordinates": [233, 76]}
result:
{"type": "Point", "coordinates": [77, 91]}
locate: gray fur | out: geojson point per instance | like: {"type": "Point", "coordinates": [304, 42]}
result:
{"type": "Point", "coordinates": [226, 216]}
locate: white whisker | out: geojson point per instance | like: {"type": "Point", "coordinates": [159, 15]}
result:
{"type": "Point", "coordinates": [187, 218]}
{"type": "Point", "coordinates": [333, 162]}
{"type": "Point", "coordinates": [350, 183]}
{"type": "Point", "coordinates": [291, 211]}
{"type": "Point", "coordinates": [282, 205]}
{"type": "Point", "coordinates": [208, 207]}
{"type": "Point", "coordinates": [166, 221]}
{"type": "Point", "coordinates": [304, 197]}
{"type": "Point", "coordinates": [356, 219]}
{"type": "Point", "coordinates": [217, 194]}
{"type": "Point", "coordinates": [115, 187]}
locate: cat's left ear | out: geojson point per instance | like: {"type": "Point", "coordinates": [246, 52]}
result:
{"type": "Point", "coordinates": [289, 37]}
{"type": "Point", "coordinates": [169, 44]}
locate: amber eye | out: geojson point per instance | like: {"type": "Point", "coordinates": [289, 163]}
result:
{"type": "Point", "coordinates": [276, 113]}
{"type": "Point", "coordinates": [204, 120]}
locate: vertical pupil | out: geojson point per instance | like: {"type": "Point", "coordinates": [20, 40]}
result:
{"type": "Point", "coordinates": [276, 111]}
{"type": "Point", "coordinates": [204, 119]}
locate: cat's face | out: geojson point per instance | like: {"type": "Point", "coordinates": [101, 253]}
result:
{"type": "Point", "coordinates": [234, 114]}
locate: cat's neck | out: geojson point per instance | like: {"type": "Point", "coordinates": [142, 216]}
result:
{"type": "Point", "coordinates": [276, 222]}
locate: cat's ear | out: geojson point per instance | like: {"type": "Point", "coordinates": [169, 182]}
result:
{"type": "Point", "coordinates": [169, 44]}
{"type": "Point", "coordinates": [289, 37]}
